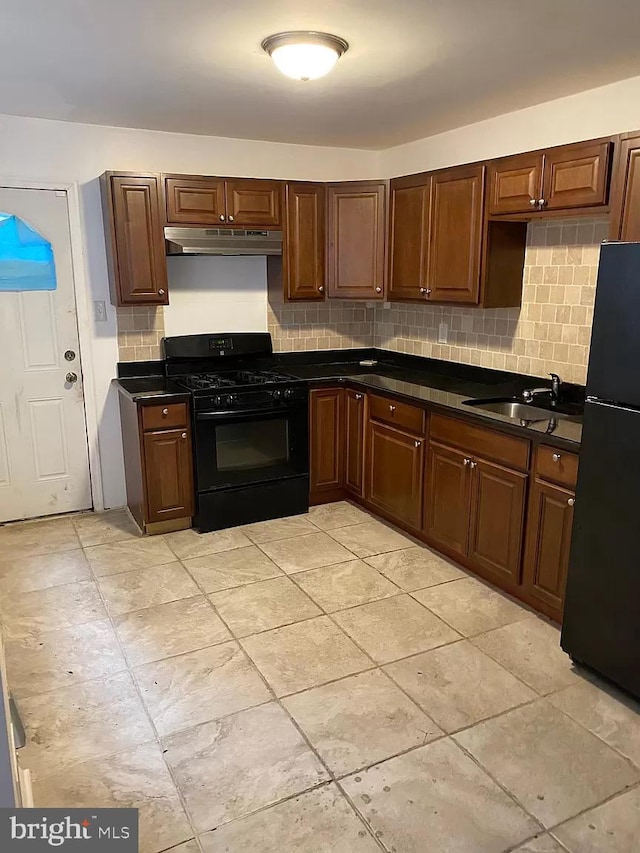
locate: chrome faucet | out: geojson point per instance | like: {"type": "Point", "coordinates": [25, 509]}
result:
{"type": "Point", "coordinates": [529, 394]}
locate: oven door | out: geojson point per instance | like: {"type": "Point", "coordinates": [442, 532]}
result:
{"type": "Point", "coordinates": [239, 448]}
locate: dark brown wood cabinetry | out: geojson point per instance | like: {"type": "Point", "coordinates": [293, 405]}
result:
{"type": "Point", "coordinates": [394, 473]}
{"type": "Point", "coordinates": [455, 235]}
{"type": "Point", "coordinates": [303, 252]}
{"type": "Point", "coordinates": [354, 414]}
{"type": "Point", "coordinates": [568, 177]}
{"type": "Point", "coordinates": [447, 502]}
{"type": "Point", "coordinates": [158, 464]}
{"type": "Point", "coordinates": [326, 444]}
{"type": "Point", "coordinates": [625, 203]}
{"type": "Point", "coordinates": [222, 202]}
{"type": "Point", "coordinates": [356, 230]}
{"type": "Point", "coordinates": [134, 239]}
{"type": "Point", "coordinates": [410, 206]}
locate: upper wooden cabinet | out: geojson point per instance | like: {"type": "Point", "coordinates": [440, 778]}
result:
{"type": "Point", "coordinates": [564, 178]}
{"type": "Point", "coordinates": [231, 202]}
{"type": "Point", "coordinates": [134, 239]}
{"type": "Point", "coordinates": [455, 235]}
{"type": "Point", "coordinates": [625, 201]}
{"type": "Point", "coordinates": [410, 207]}
{"type": "Point", "coordinates": [303, 251]}
{"type": "Point", "coordinates": [356, 227]}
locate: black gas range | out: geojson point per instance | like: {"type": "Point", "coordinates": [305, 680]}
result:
{"type": "Point", "coordinates": [250, 428]}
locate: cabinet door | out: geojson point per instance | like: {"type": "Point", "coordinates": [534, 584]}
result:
{"type": "Point", "coordinates": [515, 184]}
{"type": "Point", "coordinates": [356, 240]}
{"type": "Point", "coordinates": [303, 249]}
{"type": "Point", "coordinates": [326, 440]}
{"type": "Point", "coordinates": [625, 204]}
{"type": "Point", "coordinates": [497, 519]}
{"type": "Point", "coordinates": [576, 175]}
{"type": "Point", "coordinates": [168, 474]}
{"type": "Point", "coordinates": [546, 557]}
{"type": "Point", "coordinates": [456, 235]}
{"type": "Point", "coordinates": [447, 497]}
{"type": "Point", "coordinates": [194, 201]}
{"type": "Point", "coordinates": [409, 240]}
{"type": "Point", "coordinates": [394, 473]}
{"type": "Point", "coordinates": [354, 433]}
{"type": "Point", "coordinates": [253, 203]}
{"type": "Point", "coordinates": [135, 240]}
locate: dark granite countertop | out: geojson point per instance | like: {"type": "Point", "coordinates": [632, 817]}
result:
{"type": "Point", "coordinates": [441, 385]}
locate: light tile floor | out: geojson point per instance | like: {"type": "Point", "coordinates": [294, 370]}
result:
{"type": "Point", "coordinates": [321, 684]}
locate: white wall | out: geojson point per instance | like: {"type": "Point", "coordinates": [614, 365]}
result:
{"type": "Point", "coordinates": [210, 294]}
{"type": "Point", "coordinates": [53, 151]}
{"type": "Point", "coordinates": [597, 112]}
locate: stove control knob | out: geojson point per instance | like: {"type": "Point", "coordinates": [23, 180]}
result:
{"type": "Point", "coordinates": [276, 394]}
{"type": "Point", "coordinates": [217, 400]}
{"type": "Point", "coordinates": [230, 399]}
{"type": "Point", "coordinates": [288, 393]}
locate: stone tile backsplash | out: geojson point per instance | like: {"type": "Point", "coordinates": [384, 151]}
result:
{"type": "Point", "coordinates": [550, 332]}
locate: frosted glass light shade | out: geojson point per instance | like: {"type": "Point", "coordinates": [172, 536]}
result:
{"type": "Point", "coordinates": [304, 56]}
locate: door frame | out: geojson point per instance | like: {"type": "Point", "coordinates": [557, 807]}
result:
{"type": "Point", "coordinates": [83, 317]}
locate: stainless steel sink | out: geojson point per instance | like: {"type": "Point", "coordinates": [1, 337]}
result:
{"type": "Point", "coordinates": [516, 409]}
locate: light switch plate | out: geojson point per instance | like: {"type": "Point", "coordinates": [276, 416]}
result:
{"type": "Point", "coordinates": [443, 331]}
{"type": "Point", "coordinates": [100, 311]}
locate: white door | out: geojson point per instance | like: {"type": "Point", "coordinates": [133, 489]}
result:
{"type": "Point", "coordinates": [44, 464]}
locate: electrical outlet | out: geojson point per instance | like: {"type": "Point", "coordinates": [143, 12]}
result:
{"type": "Point", "coordinates": [443, 331]}
{"type": "Point", "coordinates": [100, 311]}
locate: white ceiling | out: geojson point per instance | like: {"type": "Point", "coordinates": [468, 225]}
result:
{"type": "Point", "coordinates": [414, 68]}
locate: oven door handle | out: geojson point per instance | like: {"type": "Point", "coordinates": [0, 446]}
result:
{"type": "Point", "coordinates": [240, 414]}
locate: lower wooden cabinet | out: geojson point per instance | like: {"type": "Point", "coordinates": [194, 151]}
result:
{"type": "Point", "coordinates": [394, 473]}
{"type": "Point", "coordinates": [158, 464]}
{"type": "Point", "coordinates": [354, 413]}
{"type": "Point", "coordinates": [497, 519]}
{"type": "Point", "coordinates": [326, 444]}
{"type": "Point", "coordinates": [548, 541]}
{"type": "Point", "coordinates": [447, 502]}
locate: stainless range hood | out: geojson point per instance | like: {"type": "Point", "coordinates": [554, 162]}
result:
{"type": "Point", "coordinates": [222, 241]}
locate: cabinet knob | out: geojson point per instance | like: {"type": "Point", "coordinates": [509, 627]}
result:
{"type": "Point", "coordinates": [473, 464]}
{"type": "Point", "coordinates": [392, 408]}
{"type": "Point", "coordinates": [165, 412]}
{"type": "Point", "coordinates": [571, 501]}
{"type": "Point", "coordinates": [231, 219]}
{"type": "Point", "coordinates": [466, 461]}
{"type": "Point", "coordinates": [161, 292]}
{"type": "Point", "coordinates": [542, 202]}
{"type": "Point", "coordinates": [556, 457]}
{"type": "Point", "coordinates": [378, 290]}
{"type": "Point", "coordinates": [358, 396]}
{"type": "Point", "coordinates": [533, 202]}
{"type": "Point", "coordinates": [184, 435]}
{"type": "Point", "coordinates": [321, 288]}
{"type": "Point", "coordinates": [417, 443]}
{"type": "Point", "coordinates": [222, 217]}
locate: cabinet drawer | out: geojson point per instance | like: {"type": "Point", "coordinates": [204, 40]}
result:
{"type": "Point", "coordinates": [490, 444]}
{"type": "Point", "coordinates": [558, 466]}
{"type": "Point", "coordinates": [396, 413]}
{"type": "Point", "coordinates": [164, 417]}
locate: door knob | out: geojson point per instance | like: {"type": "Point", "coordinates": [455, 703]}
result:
{"type": "Point", "coordinates": [71, 378]}
{"type": "Point", "coordinates": [69, 355]}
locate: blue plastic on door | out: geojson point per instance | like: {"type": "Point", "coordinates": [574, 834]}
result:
{"type": "Point", "coordinates": [26, 258]}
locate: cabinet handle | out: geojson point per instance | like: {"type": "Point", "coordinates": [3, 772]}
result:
{"type": "Point", "coordinates": [378, 290]}
{"type": "Point", "coordinates": [556, 457]}
{"type": "Point", "coordinates": [533, 202]}
{"type": "Point", "coordinates": [542, 202]}
{"type": "Point", "coordinates": [161, 292]}
{"type": "Point", "coordinates": [423, 290]}
{"type": "Point", "coordinates": [571, 501]}
{"type": "Point", "coordinates": [184, 435]}
{"type": "Point", "coordinates": [466, 461]}
{"type": "Point", "coordinates": [231, 219]}
{"type": "Point", "coordinates": [417, 443]}
{"type": "Point", "coordinates": [474, 464]}
{"type": "Point", "coordinates": [222, 217]}
{"type": "Point", "coordinates": [165, 412]}
{"type": "Point", "coordinates": [392, 408]}
{"type": "Point", "coordinates": [358, 396]}
{"type": "Point", "coordinates": [321, 288]}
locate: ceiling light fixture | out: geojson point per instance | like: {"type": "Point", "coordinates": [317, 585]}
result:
{"type": "Point", "coordinates": [304, 55]}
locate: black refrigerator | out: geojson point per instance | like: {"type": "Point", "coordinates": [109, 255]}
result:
{"type": "Point", "coordinates": [601, 623]}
